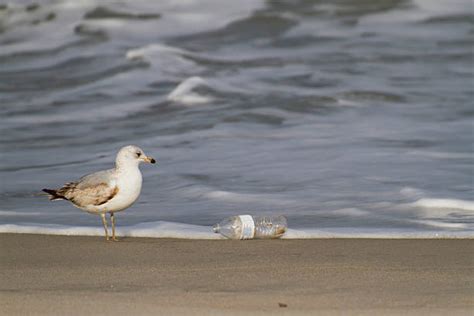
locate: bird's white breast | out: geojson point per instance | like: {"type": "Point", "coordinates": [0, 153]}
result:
{"type": "Point", "coordinates": [129, 182]}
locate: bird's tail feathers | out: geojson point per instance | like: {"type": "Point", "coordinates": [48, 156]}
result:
{"type": "Point", "coordinates": [53, 195]}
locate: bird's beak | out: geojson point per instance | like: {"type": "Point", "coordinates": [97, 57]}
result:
{"type": "Point", "coordinates": [149, 159]}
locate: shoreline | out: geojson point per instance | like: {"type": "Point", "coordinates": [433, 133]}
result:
{"type": "Point", "coordinates": [57, 275]}
{"type": "Point", "coordinates": [163, 229]}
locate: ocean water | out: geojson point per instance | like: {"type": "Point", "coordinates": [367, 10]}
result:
{"type": "Point", "coordinates": [352, 118]}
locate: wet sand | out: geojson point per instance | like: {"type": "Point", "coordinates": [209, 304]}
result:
{"type": "Point", "coordinates": [59, 275]}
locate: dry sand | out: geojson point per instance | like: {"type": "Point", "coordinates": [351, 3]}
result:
{"type": "Point", "coordinates": [58, 275]}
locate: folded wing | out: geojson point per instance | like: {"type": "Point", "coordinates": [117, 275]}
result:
{"type": "Point", "coordinates": [91, 190]}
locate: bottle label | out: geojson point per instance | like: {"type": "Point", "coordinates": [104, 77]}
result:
{"type": "Point", "coordinates": [248, 227]}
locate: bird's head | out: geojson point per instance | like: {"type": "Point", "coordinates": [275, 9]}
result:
{"type": "Point", "coordinates": [132, 155]}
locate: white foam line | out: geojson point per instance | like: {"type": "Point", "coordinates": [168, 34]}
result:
{"type": "Point", "coordinates": [152, 49]}
{"type": "Point", "coordinates": [440, 224]}
{"type": "Point", "coordinates": [348, 233]}
{"type": "Point", "coordinates": [445, 203]}
{"type": "Point", "coordinates": [187, 231]}
{"type": "Point", "coordinates": [183, 92]}
{"type": "Point", "coordinates": [154, 230]}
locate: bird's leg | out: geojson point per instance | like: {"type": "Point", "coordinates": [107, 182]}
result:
{"type": "Point", "coordinates": [104, 222]}
{"type": "Point", "coordinates": [112, 218]}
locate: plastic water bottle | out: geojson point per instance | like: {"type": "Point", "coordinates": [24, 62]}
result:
{"type": "Point", "coordinates": [252, 227]}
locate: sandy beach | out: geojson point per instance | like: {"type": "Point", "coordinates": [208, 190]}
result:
{"type": "Point", "coordinates": [59, 275]}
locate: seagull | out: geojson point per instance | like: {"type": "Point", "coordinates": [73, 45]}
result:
{"type": "Point", "coordinates": [107, 191]}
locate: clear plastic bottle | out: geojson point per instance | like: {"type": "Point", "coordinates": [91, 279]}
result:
{"type": "Point", "coordinates": [252, 227]}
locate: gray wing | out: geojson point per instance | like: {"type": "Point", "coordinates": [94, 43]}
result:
{"type": "Point", "coordinates": [93, 189]}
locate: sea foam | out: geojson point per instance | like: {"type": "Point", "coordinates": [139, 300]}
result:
{"type": "Point", "coordinates": [184, 94]}
{"type": "Point", "coordinates": [163, 229]}
{"type": "Point", "coordinates": [445, 203]}
{"type": "Point", "coordinates": [158, 229]}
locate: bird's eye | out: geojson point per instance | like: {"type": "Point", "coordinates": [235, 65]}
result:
{"type": "Point", "coordinates": [139, 154]}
